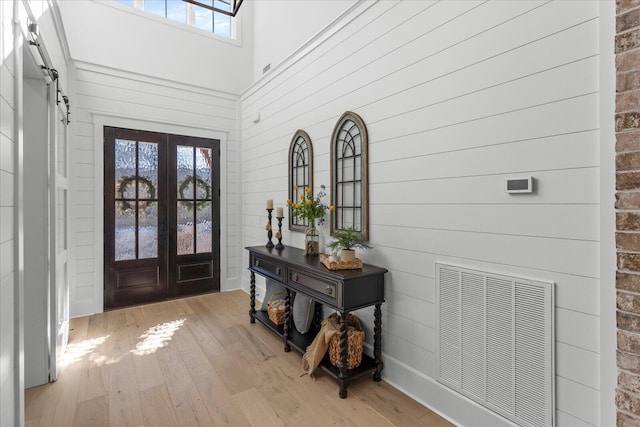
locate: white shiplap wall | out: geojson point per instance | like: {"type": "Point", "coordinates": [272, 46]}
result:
{"type": "Point", "coordinates": [457, 96]}
{"type": "Point", "coordinates": [14, 17]}
{"type": "Point", "coordinates": [108, 97]}
{"type": "Point", "coordinates": [7, 242]}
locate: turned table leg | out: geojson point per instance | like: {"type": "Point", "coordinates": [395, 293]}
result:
{"type": "Point", "coordinates": [287, 318]}
{"type": "Point", "coordinates": [344, 352]}
{"type": "Point", "coordinates": [377, 343]}
{"type": "Point", "coordinates": [252, 310]}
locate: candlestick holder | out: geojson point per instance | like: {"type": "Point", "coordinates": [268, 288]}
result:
{"type": "Point", "coordinates": [279, 233]}
{"type": "Point", "coordinates": [269, 232]}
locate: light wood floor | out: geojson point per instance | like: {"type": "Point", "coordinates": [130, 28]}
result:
{"type": "Point", "coordinates": [198, 361]}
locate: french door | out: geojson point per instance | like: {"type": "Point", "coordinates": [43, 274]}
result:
{"type": "Point", "coordinates": [162, 216]}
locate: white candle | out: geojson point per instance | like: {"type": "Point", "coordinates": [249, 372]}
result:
{"type": "Point", "coordinates": [269, 204]}
{"type": "Point", "coordinates": [279, 213]}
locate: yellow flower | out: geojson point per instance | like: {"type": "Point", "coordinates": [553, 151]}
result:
{"type": "Point", "coordinates": [305, 205]}
{"type": "Point", "coordinates": [295, 187]}
{"type": "Point", "coordinates": [331, 208]}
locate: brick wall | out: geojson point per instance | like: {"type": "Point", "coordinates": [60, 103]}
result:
{"type": "Point", "coordinates": [627, 47]}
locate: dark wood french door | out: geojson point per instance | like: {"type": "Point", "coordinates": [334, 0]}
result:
{"type": "Point", "coordinates": [161, 216]}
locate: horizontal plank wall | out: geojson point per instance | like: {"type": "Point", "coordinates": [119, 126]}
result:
{"type": "Point", "coordinates": [457, 96]}
{"type": "Point", "coordinates": [8, 362]}
{"type": "Point", "coordinates": [111, 97]}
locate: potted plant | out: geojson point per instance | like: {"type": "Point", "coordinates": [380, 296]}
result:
{"type": "Point", "coordinates": [348, 240]}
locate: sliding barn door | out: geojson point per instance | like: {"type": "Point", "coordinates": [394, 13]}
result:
{"type": "Point", "coordinates": [58, 230]}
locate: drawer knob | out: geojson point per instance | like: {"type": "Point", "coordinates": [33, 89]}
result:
{"type": "Point", "coordinates": [277, 270]}
{"type": "Point", "coordinates": [256, 263]}
{"type": "Point", "coordinates": [329, 290]}
{"type": "Point", "coordinates": [294, 277]}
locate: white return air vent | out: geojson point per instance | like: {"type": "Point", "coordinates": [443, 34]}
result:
{"type": "Point", "coordinates": [494, 342]}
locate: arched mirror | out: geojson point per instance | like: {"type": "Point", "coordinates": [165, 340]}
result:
{"type": "Point", "coordinates": [300, 173]}
{"type": "Point", "coordinates": [349, 175]}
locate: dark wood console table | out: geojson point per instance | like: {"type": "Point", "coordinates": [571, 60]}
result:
{"type": "Point", "coordinates": [342, 290]}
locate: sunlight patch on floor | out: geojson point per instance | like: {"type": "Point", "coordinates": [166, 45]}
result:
{"type": "Point", "coordinates": [156, 337]}
{"type": "Point", "coordinates": [75, 352]}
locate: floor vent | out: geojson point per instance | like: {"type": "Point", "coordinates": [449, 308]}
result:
{"type": "Point", "coordinates": [494, 342]}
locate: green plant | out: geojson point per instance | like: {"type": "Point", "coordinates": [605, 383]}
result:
{"type": "Point", "coordinates": [349, 239]}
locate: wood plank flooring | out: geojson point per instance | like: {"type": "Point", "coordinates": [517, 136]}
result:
{"type": "Point", "coordinates": [199, 362]}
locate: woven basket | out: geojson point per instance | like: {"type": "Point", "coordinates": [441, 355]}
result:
{"type": "Point", "coordinates": [275, 308]}
{"type": "Point", "coordinates": [355, 341]}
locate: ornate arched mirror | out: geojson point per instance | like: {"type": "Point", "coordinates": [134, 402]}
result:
{"type": "Point", "coordinates": [300, 173]}
{"type": "Point", "coordinates": [349, 175]}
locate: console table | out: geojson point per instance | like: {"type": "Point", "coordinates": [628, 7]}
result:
{"type": "Point", "coordinates": [341, 290]}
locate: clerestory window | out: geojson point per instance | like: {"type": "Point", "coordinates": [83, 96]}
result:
{"type": "Point", "coordinates": [190, 14]}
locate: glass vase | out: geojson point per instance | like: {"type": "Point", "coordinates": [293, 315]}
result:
{"type": "Point", "coordinates": [311, 239]}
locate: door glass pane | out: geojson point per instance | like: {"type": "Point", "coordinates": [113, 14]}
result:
{"type": "Point", "coordinates": [185, 228]}
{"type": "Point", "coordinates": [125, 169]}
{"type": "Point", "coordinates": [185, 172]}
{"type": "Point", "coordinates": [136, 221]}
{"type": "Point", "coordinates": [125, 225]}
{"type": "Point", "coordinates": [147, 170]}
{"type": "Point", "coordinates": [203, 227]}
{"type": "Point", "coordinates": [148, 230]}
{"type": "Point", "coordinates": [203, 173]}
{"type": "Point", "coordinates": [203, 196]}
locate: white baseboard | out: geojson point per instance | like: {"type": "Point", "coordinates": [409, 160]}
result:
{"type": "Point", "coordinates": [450, 405]}
{"type": "Point", "coordinates": [85, 307]}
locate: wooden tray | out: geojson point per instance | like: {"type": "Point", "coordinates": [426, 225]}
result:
{"type": "Point", "coordinates": [340, 265]}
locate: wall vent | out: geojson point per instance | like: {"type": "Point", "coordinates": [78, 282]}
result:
{"type": "Point", "coordinates": [494, 342]}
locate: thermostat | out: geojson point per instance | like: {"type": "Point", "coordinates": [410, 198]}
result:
{"type": "Point", "coordinates": [519, 185]}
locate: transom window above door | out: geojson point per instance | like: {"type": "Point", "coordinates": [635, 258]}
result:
{"type": "Point", "coordinates": [187, 12]}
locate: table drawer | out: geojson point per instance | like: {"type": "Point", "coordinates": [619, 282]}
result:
{"type": "Point", "coordinates": [267, 267]}
{"type": "Point", "coordinates": [328, 288]}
